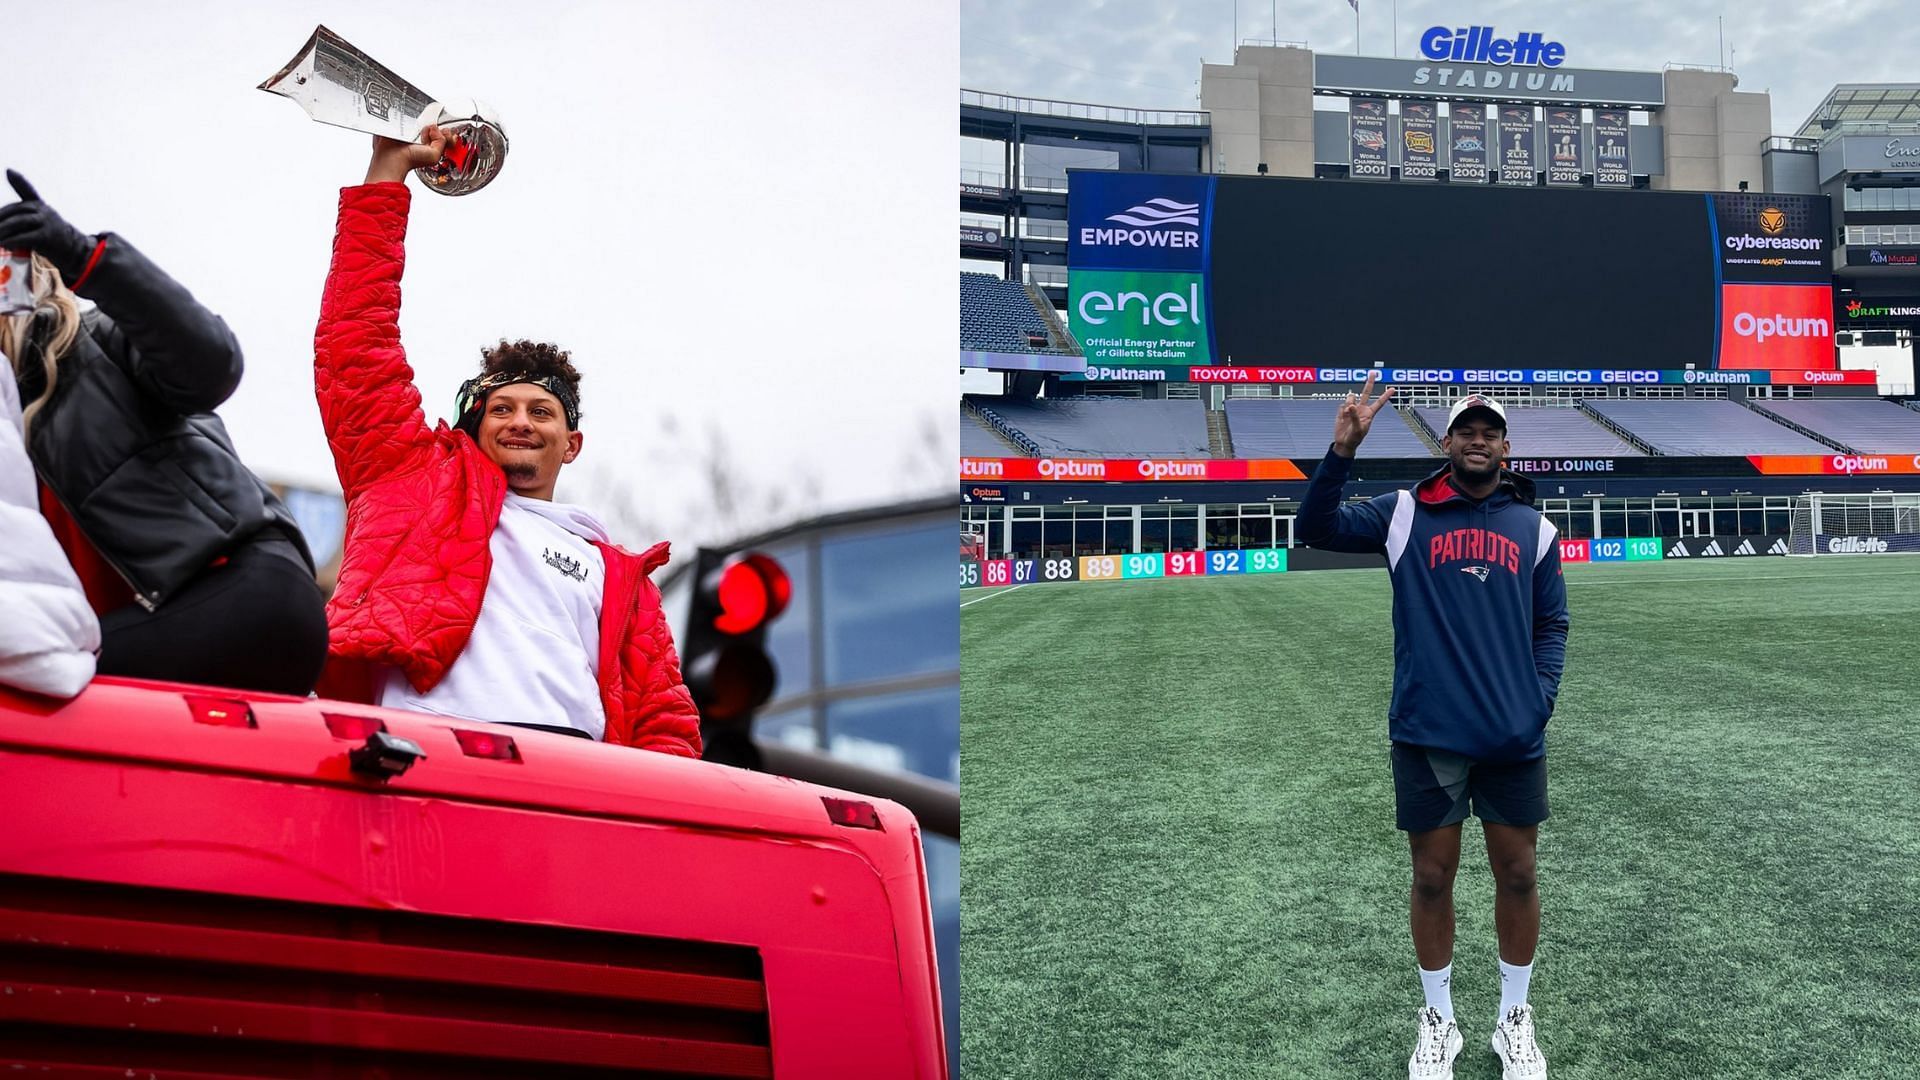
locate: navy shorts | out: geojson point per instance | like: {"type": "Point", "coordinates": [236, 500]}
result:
{"type": "Point", "coordinates": [1434, 788]}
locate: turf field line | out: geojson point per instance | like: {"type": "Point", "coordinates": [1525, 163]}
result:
{"type": "Point", "coordinates": [1769, 577]}
{"type": "Point", "coordinates": [991, 595]}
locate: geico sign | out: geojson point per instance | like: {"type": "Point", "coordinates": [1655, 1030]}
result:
{"type": "Point", "coordinates": [1165, 309]}
{"type": "Point", "coordinates": [1762, 327]}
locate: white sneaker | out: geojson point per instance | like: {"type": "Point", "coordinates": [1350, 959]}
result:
{"type": "Point", "coordinates": [1438, 1044]}
{"type": "Point", "coordinates": [1520, 1056]}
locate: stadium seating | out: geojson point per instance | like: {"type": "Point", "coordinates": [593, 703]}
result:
{"type": "Point", "coordinates": [997, 316]}
{"type": "Point", "coordinates": [1867, 425]}
{"type": "Point", "coordinates": [1547, 431]}
{"type": "Point", "coordinates": [979, 440]}
{"type": "Point", "coordinates": [1303, 427]}
{"type": "Point", "coordinates": [1101, 427]}
{"type": "Point", "coordinates": [1703, 428]}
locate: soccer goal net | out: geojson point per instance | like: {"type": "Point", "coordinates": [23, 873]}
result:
{"type": "Point", "coordinates": [1854, 524]}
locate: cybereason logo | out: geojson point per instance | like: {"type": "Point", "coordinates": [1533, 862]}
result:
{"type": "Point", "coordinates": [1150, 221]}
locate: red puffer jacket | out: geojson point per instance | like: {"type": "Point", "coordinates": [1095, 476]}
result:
{"type": "Point", "coordinates": [422, 504]}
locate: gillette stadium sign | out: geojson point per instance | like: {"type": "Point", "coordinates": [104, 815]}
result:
{"type": "Point", "coordinates": [1479, 45]}
{"type": "Point", "coordinates": [1478, 62]}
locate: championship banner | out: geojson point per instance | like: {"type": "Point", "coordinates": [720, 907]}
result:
{"type": "Point", "coordinates": [1466, 143]}
{"type": "Point", "coordinates": [1612, 166]}
{"type": "Point", "coordinates": [1566, 156]}
{"type": "Point", "coordinates": [1419, 134]}
{"type": "Point", "coordinates": [1516, 145]}
{"type": "Point", "coordinates": [1367, 132]}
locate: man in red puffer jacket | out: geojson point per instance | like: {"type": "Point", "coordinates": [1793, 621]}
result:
{"type": "Point", "coordinates": [571, 637]}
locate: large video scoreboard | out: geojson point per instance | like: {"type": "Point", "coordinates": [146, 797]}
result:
{"type": "Point", "coordinates": [1175, 271]}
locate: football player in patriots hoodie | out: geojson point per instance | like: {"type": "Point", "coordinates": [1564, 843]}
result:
{"type": "Point", "coordinates": [1479, 638]}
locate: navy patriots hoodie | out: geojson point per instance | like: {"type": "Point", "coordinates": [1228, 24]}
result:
{"type": "Point", "coordinates": [1479, 606]}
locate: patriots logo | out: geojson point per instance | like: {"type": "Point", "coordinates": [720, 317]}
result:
{"type": "Point", "coordinates": [1477, 571]}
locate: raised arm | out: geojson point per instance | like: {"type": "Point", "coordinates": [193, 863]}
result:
{"type": "Point", "coordinates": [1323, 522]}
{"type": "Point", "coordinates": [177, 352]}
{"type": "Point", "coordinates": [369, 407]}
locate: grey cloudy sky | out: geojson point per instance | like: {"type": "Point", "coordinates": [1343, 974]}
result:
{"type": "Point", "coordinates": [687, 206]}
{"type": "Point", "coordinates": [1147, 53]}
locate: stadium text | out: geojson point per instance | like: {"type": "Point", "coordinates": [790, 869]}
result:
{"type": "Point", "coordinates": [1492, 80]}
{"type": "Point", "coordinates": [1479, 45]}
{"type": "Point", "coordinates": [1856, 545]}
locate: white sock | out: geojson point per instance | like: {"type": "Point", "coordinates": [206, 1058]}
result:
{"type": "Point", "coordinates": [1513, 986]}
{"type": "Point", "coordinates": [1439, 988]}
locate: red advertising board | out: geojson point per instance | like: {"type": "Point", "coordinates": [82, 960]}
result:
{"type": "Point", "coordinates": [1823, 377]}
{"type": "Point", "coordinates": [1573, 551]}
{"type": "Point", "coordinates": [1245, 374]}
{"type": "Point", "coordinates": [1000, 470]}
{"type": "Point", "coordinates": [1776, 327]}
{"type": "Point", "coordinates": [1836, 464]}
{"type": "Point", "coordinates": [1126, 469]}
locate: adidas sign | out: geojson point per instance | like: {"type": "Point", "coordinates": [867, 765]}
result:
{"type": "Point", "coordinates": [1714, 549]}
{"type": "Point", "coordinates": [1779, 548]}
{"type": "Point", "coordinates": [1679, 551]}
{"type": "Point", "coordinates": [1746, 548]}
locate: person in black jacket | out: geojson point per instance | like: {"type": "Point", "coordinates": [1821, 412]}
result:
{"type": "Point", "coordinates": [196, 569]}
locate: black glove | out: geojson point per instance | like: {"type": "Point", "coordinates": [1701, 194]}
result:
{"type": "Point", "coordinates": [31, 225]}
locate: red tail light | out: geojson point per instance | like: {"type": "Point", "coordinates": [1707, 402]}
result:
{"type": "Point", "coordinates": [852, 813]}
{"type": "Point", "coordinates": [486, 744]}
{"type": "Point", "coordinates": [222, 712]}
{"type": "Point", "coordinates": [356, 728]}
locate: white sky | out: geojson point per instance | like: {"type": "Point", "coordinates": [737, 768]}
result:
{"type": "Point", "coordinates": [739, 215]}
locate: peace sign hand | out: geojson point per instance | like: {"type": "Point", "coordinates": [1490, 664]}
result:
{"type": "Point", "coordinates": [1355, 417]}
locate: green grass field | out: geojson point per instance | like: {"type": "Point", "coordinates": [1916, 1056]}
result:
{"type": "Point", "coordinates": [1179, 857]}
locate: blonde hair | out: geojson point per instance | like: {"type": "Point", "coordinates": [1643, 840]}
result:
{"type": "Point", "coordinates": [50, 294]}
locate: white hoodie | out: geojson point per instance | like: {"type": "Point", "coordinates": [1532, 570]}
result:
{"type": "Point", "coordinates": [534, 657]}
{"type": "Point", "coordinates": [48, 633]}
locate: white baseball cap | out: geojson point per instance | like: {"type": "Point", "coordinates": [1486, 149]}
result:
{"type": "Point", "coordinates": [1476, 401]}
